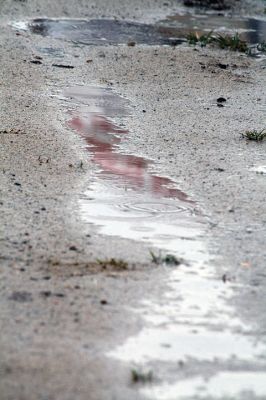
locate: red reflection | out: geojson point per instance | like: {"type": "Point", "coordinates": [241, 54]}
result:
{"type": "Point", "coordinates": [102, 137]}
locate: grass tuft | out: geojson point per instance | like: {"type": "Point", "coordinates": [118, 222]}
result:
{"type": "Point", "coordinates": [168, 259]}
{"type": "Point", "coordinates": [233, 43]}
{"type": "Point", "coordinates": [194, 38]}
{"type": "Point", "coordinates": [255, 135]}
{"type": "Point", "coordinates": [230, 42]}
{"type": "Point", "coordinates": [141, 377]}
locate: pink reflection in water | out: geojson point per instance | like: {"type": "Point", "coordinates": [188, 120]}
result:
{"type": "Point", "coordinates": [103, 137]}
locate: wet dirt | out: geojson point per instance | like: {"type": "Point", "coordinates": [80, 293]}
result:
{"type": "Point", "coordinates": [171, 31]}
{"type": "Point", "coordinates": [193, 335]}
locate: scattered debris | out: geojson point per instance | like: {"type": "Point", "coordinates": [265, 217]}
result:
{"type": "Point", "coordinates": [37, 62]}
{"type": "Point", "coordinates": [73, 248]}
{"type": "Point", "coordinates": [45, 293]}
{"type": "Point", "coordinates": [63, 66]}
{"type": "Point", "coordinates": [11, 131]}
{"type": "Point", "coordinates": [116, 264]}
{"type": "Point", "coordinates": [43, 160]}
{"type": "Point", "coordinates": [48, 293]}
{"type": "Point", "coordinates": [219, 169]}
{"type": "Point", "coordinates": [222, 66]}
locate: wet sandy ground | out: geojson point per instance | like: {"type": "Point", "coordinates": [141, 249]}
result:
{"type": "Point", "coordinates": [73, 328]}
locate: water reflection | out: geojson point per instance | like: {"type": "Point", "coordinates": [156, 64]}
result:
{"type": "Point", "coordinates": [171, 31]}
{"type": "Point", "coordinates": [224, 385]}
{"type": "Point", "coordinates": [103, 137]}
{"type": "Point", "coordinates": [99, 31]}
{"type": "Point", "coordinates": [125, 198]}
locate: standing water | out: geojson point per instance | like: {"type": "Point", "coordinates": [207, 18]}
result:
{"type": "Point", "coordinates": [189, 328]}
{"type": "Point", "coordinates": [126, 198]}
{"type": "Point", "coordinates": [170, 31]}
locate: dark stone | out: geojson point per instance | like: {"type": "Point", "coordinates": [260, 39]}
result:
{"type": "Point", "coordinates": [59, 295]}
{"type": "Point", "coordinates": [63, 66]}
{"type": "Point", "coordinates": [46, 293]}
{"type": "Point", "coordinates": [222, 66]}
{"type": "Point", "coordinates": [221, 100]}
{"type": "Point", "coordinates": [38, 62]}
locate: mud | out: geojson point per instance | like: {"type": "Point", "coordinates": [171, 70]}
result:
{"type": "Point", "coordinates": [73, 321]}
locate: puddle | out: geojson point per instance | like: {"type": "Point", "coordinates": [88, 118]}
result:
{"type": "Point", "coordinates": [253, 30]}
{"type": "Point", "coordinates": [191, 321]}
{"type": "Point", "coordinates": [126, 198]}
{"type": "Point", "coordinates": [172, 30]}
{"type": "Point", "coordinates": [260, 169]}
{"type": "Point", "coordinates": [190, 329]}
{"type": "Point", "coordinates": [51, 51]}
{"type": "Point", "coordinates": [187, 318]}
{"type": "Point", "coordinates": [97, 31]}
{"type": "Point", "coordinates": [224, 385]}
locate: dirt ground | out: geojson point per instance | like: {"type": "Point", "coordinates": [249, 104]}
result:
{"type": "Point", "coordinates": [62, 312]}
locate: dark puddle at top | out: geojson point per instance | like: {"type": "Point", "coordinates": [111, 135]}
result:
{"type": "Point", "coordinates": [125, 198]}
{"type": "Point", "coordinates": [171, 31]}
{"type": "Point", "coordinates": [101, 31]}
{"type": "Point", "coordinates": [252, 30]}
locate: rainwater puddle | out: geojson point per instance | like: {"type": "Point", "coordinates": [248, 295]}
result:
{"type": "Point", "coordinates": [260, 169]}
{"type": "Point", "coordinates": [97, 31]}
{"type": "Point", "coordinates": [187, 318]}
{"type": "Point", "coordinates": [191, 321]}
{"type": "Point", "coordinates": [252, 30]}
{"type": "Point", "coordinates": [191, 330]}
{"type": "Point", "coordinates": [171, 31]}
{"type": "Point", "coordinates": [126, 198]}
{"type": "Point", "coordinates": [223, 385]}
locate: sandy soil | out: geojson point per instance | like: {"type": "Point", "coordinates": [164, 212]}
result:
{"type": "Point", "coordinates": [60, 312]}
